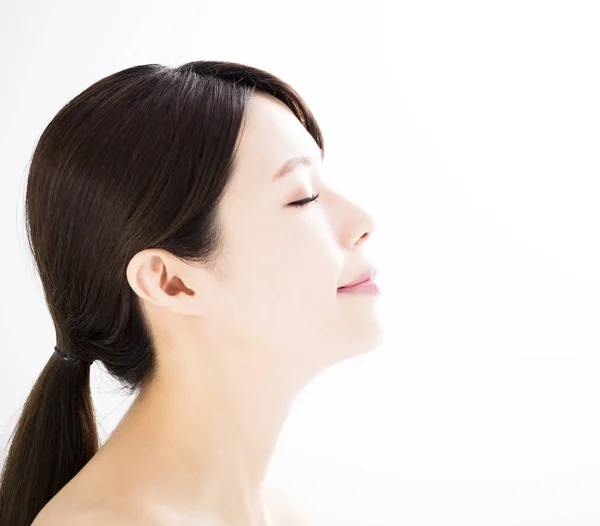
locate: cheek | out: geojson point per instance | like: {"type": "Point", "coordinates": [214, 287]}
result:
{"type": "Point", "coordinates": [288, 285]}
{"type": "Point", "coordinates": [304, 266]}
{"type": "Point", "coordinates": [284, 274]}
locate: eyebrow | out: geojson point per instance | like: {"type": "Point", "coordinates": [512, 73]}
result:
{"type": "Point", "coordinates": [290, 164]}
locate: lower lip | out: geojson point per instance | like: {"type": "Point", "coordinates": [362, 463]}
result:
{"type": "Point", "coordinates": [366, 287]}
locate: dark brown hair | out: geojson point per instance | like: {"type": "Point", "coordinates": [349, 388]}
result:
{"type": "Point", "coordinates": [140, 159]}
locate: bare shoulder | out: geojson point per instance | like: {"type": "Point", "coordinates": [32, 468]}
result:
{"type": "Point", "coordinates": [120, 513]}
{"type": "Point", "coordinates": [115, 514]}
{"type": "Point", "coordinates": [286, 510]}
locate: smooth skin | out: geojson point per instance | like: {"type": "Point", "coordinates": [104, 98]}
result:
{"type": "Point", "coordinates": [236, 346]}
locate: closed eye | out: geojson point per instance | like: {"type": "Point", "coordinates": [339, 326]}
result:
{"type": "Point", "coordinates": [306, 201]}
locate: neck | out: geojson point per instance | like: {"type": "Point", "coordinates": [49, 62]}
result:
{"type": "Point", "coordinates": [201, 444]}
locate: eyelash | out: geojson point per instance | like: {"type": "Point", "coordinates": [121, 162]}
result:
{"type": "Point", "coordinates": [305, 202]}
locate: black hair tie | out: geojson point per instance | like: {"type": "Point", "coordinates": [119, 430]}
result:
{"type": "Point", "coordinates": [69, 358]}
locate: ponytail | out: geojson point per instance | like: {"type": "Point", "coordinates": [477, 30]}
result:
{"type": "Point", "coordinates": [55, 437]}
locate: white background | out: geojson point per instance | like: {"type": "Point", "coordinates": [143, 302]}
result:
{"type": "Point", "coordinates": [471, 132]}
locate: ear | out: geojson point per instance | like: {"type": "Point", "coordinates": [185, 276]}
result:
{"type": "Point", "coordinates": [158, 277]}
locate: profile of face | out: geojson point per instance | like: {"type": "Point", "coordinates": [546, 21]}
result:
{"type": "Point", "coordinates": [273, 299]}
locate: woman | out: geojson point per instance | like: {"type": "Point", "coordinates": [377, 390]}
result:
{"type": "Point", "coordinates": [186, 240]}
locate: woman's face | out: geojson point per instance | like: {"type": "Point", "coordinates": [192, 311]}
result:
{"type": "Point", "coordinates": [283, 264]}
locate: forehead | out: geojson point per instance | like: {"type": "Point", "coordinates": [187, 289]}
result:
{"type": "Point", "coordinates": [271, 135]}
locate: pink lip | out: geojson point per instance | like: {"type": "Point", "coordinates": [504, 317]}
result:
{"type": "Point", "coordinates": [368, 286]}
{"type": "Point", "coordinates": [364, 277]}
{"type": "Point", "coordinates": [363, 284]}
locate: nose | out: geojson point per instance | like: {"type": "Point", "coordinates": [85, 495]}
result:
{"type": "Point", "coordinates": [361, 227]}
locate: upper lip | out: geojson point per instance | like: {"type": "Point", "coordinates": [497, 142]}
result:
{"type": "Point", "coordinates": [362, 277]}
